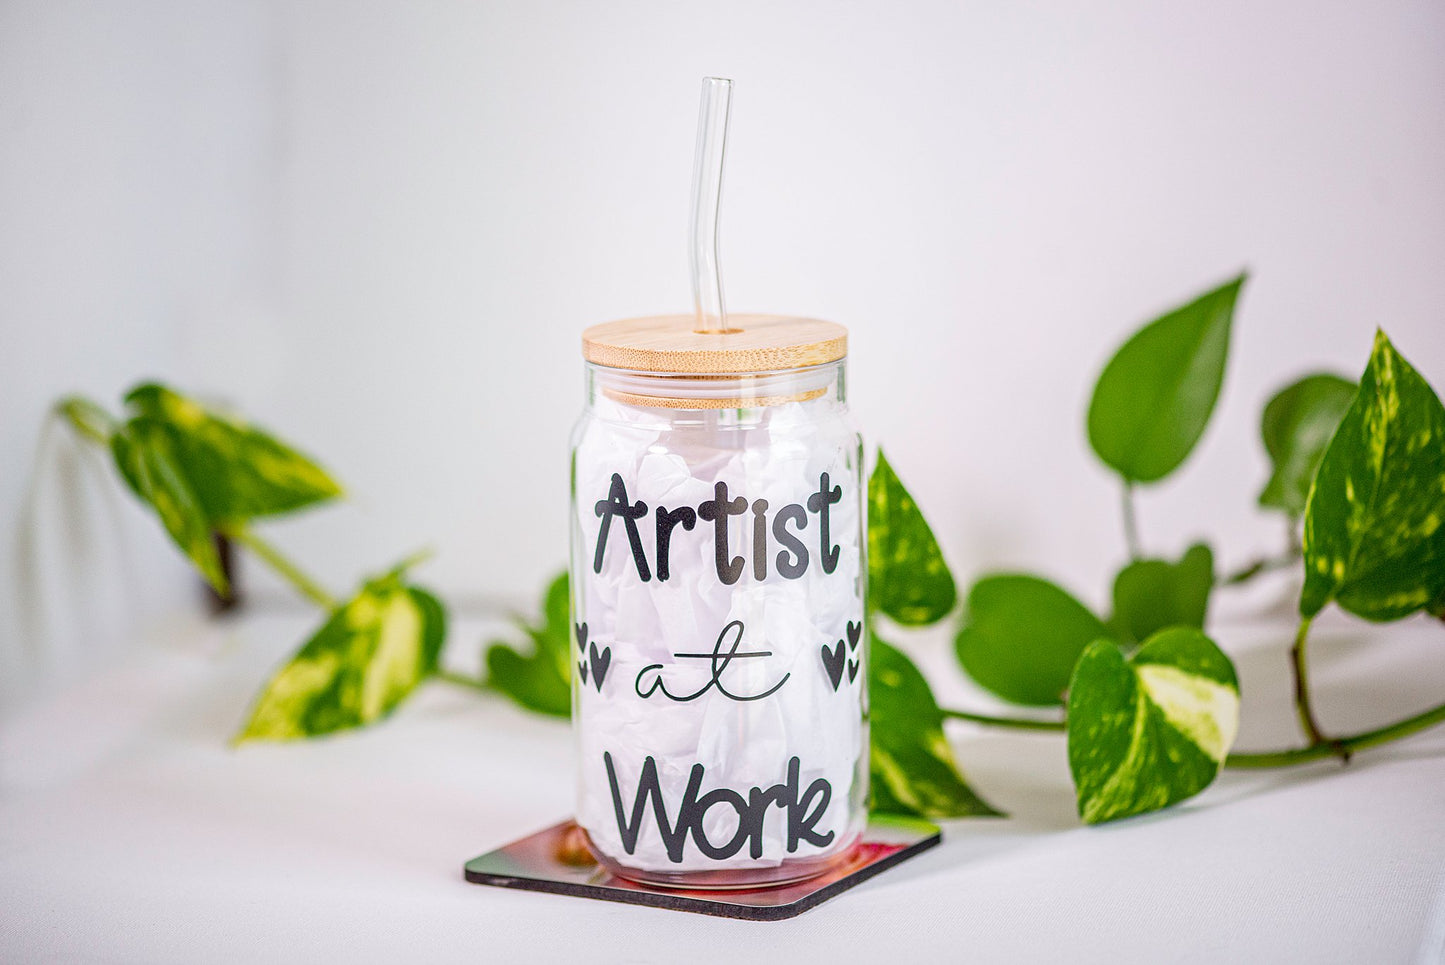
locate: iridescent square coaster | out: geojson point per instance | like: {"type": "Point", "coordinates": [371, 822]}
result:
{"type": "Point", "coordinates": [554, 861]}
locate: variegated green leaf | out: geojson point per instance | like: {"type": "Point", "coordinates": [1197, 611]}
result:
{"type": "Point", "coordinates": [368, 656]}
{"type": "Point", "coordinates": [1148, 731]}
{"type": "Point", "coordinates": [1154, 398]}
{"type": "Point", "coordinates": [1296, 427]}
{"type": "Point", "coordinates": [1150, 595]}
{"type": "Point", "coordinates": [907, 576]}
{"type": "Point", "coordinates": [238, 471]}
{"type": "Point", "coordinates": [1373, 536]}
{"type": "Point", "coordinates": [146, 458]}
{"type": "Point", "coordinates": [542, 679]}
{"type": "Point", "coordinates": [1021, 637]}
{"type": "Point", "coordinates": [912, 765]}
{"type": "Point", "coordinates": [87, 418]}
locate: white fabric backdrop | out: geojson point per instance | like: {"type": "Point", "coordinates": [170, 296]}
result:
{"type": "Point", "coordinates": [380, 226]}
{"type": "Point", "coordinates": [129, 832]}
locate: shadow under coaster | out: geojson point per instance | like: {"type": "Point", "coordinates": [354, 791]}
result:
{"type": "Point", "coordinates": [553, 861]}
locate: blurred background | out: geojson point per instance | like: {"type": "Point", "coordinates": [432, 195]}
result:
{"type": "Point", "coordinates": [379, 228]}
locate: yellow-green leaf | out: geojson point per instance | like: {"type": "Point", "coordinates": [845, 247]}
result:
{"type": "Point", "coordinates": [1374, 533]}
{"type": "Point", "coordinates": [86, 418]}
{"type": "Point", "coordinates": [912, 765]}
{"type": "Point", "coordinates": [1148, 731]}
{"type": "Point", "coordinates": [367, 657]}
{"type": "Point", "coordinates": [146, 459]}
{"type": "Point", "coordinates": [907, 576]}
{"type": "Point", "coordinates": [237, 471]}
{"type": "Point", "coordinates": [1155, 396]}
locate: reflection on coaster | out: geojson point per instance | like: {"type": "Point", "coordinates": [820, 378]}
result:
{"type": "Point", "coordinates": [554, 861]}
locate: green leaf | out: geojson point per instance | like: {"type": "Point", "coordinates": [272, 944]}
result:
{"type": "Point", "coordinates": [1373, 539]}
{"type": "Point", "coordinates": [1021, 637]}
{"type": "Point", "coordinates": [364, 661]}
{"type": "Point", "coordinates": [1150, 595]}
{"type": "Point", "coordinates": [1155, 396]}
{"type": "Point", "coordinates": [86, 418]}
{"type": "Point", "coordinates": [540, 680]}
{"type": "Point", "coordinates": [238, 471]}
{"type": "Point", "coordinates": [1149, 731]}
{"type": "Point", "coordinates": [907, 576]}
{"type": "Point", "coordinates": [1296, 427]}
{"type": "Point", "coordinates": [146, 460]}
{"type": "Point", "coordinates": [557, 611]}
{"type": "Point", "coordinates": [913, 771]}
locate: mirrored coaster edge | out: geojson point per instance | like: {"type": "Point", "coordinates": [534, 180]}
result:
{"type": "Point", "coordinates": [549, 861]}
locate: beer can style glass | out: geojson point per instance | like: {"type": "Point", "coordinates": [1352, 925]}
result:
{"type": "Point", "coordinates": [719, 691]}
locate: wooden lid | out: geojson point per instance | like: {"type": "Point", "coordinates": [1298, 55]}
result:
{"type": "Point", "coordinates": [753, 343]}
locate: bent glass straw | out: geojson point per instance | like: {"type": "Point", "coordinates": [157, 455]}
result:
{"type": "Point", "coordinates": [712, 135]}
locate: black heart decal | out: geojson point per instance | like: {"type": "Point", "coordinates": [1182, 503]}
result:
{"type": "Point", "coordinates": [582, 671]}
{"type": "Point", "coordinates": [855, 632]}
{"type": "Point", "coordinates": [852, 670]}
{"type": "Point", "coordinates": [600, 663]}
{"type": "Point", "coordinates": [580, 630]}
{"type": "Point", "coordinates": [833, 663]}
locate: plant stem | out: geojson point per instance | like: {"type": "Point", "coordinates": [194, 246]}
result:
{"type": "Point", "coordinates": [1302, 700]}
{"type": "Point", "coordinates": [1324, 747]}
{"type": "Point", "coordinates": [284, 568]}
{"type": "Point", "coordinates": [1014, 722]}
{"type": "Point", "coordinates": [1341, 745]}
{"type": "Point", "coordinates": [1131, 526]}
{"type": "Point", "coordinates": [461, 680]}
{"type": "Point", "coordinates": [1265, 564]}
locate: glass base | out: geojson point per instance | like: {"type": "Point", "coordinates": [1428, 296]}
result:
{"type": "Point", "coordinates": [790, 871]}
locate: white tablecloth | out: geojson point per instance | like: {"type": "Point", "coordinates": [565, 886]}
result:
{"type": "Point", "coordinates": [130, 831]}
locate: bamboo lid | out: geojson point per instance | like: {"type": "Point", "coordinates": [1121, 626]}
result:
{"type": "Point", "coordinates": [752, 343]}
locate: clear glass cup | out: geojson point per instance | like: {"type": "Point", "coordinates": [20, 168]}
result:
{"type": "Point", "coordinates": [719, 698]}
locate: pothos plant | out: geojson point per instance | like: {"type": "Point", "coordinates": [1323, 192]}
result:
{"type": "Point", "coordinates": [1150, 703]}
{"type": "Point", "coordinates": [210, 477]}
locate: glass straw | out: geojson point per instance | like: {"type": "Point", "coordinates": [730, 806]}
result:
{"type": "Point", "coordinates": [712, 136]}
